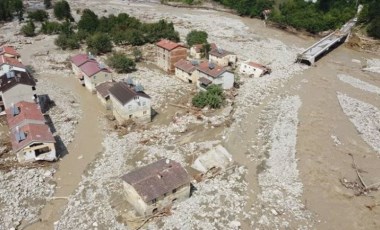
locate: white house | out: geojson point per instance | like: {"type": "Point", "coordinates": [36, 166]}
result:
{"type": "Point", "coordinates": [211, 74]}
{"type": "Point", "coordinates": [253, 69]}
{"type": "Point", "coordinates": [129, 101]}
{"type": "Point", "coordinates": [153, 187]}
{"type": "Point", "coordinates": [222, 57]}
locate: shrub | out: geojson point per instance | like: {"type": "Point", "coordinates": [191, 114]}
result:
{"type": "Point", "coordinates": [213, 97]}
{"type": "Point", "coordinates": [121, 63]}
{"type": "Point", "coordinates": [38, 15]}
{"type": "Point", "coordinates": [51, 27]}
{"type": "Point", "coordinates": [65, 41]}
{"type": "Point", "coordinates": [28, 29]}
{"type": "Point", "coordinates": [99, 43]}
{"type": "Point", "coordinates": [196, 37]}
{"type": "Point", "coordinates": [137, 54]}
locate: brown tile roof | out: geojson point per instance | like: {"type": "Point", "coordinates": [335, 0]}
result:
{"type": "Point", "coordinates": [91, 68]}
{"type": "Point", "coordinates": [33, 133]}
{"type": "Point", "coordinates": [124, 92]}
{"type": "Point", "coordinates": [215, 72]}
{"type": "Point", "coordinates": [218, 52]}
{"type": "Point", "coordinates": [10, 61]}
{"type": "Point", "coordinates": [168, 45]}
{"type": "Point", "coordinates": [19, 77]}
{"type": "Point", "coordinates": [27, 111]}
{"type": "Point", "coordinates": [8, 50]}
{"type": "Point", "coordinates": [103, 88]}
{"type": "Point", "coordinates": [154, 180]}
{"type": "Point", "coordinates": [205, 81]}
{"type": "Point", "coordinates": [185, 65]}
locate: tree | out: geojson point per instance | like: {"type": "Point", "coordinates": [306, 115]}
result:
{"type": "Point", "coordinates": [89, 21]}
{"type": "Point", "coordinates": [205, 49]}
{"type": "Point", "coordinates": [99, 43]}
{"type": "Point", "coordinates": [62, 10]}
{"type": "Point", "coordinates": [121, 63]}
{"type": "Point", "coordinates": [213, 97]}
{"type": "Point", "coordinates": [51, 27]}
{"type": "Point", "coordinates": [28, 29]}
{"type": "Point", "coordinates": [196, 37]}
{"type": "Point", "coordinates": [38, 15]}
{"type": "Point", "coordinates": [67, 41]}
{"type": "Point", "coordinates": [47, 4]}
{"type": "Point", "coordinates": [374, 28]}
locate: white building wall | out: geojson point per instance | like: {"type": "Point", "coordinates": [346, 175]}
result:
{"type": "Point", "coordinates": [136, 109]}
{"type": "Point", "coordinates": [5, 68]}
{"type": "Point", "coordinates": [28, 154]}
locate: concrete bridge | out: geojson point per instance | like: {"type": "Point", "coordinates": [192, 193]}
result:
{"type": "Point", "coordinates": [317, 50]}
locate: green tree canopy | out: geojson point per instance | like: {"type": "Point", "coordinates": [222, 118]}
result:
{"type": "Point", "coordinates": [29, 29]}
{"type": "Point", "coordinates": [89, 21]}
{"type": "Point", "coordinates": [213, 97]}
{"type": "Point", "coordinates": [62, 10]}
{"type": "Point", "coordinates": [121, 63]}
{"type": "Point", "coordinates": [99, 43]}
{"type": "Point", "coordinates": [47, 4]}
{"type": "Point", "coordinates": [196, 37]}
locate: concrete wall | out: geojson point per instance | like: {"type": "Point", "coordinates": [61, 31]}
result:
{"type": "Point", "coordinates": [18, 93]}
{"type": "Point", "coordinates": [250, 70]}
{"type": "Point", "coordinates": [28, 153]}
{"type": "Point", "coordinates": [184, 76]}
{"type": "Point", "coordinates": [225, 80]}
{"type": "Point", "coordinates": [166, 59]}
{"type": "Point", "coordinates": [194, 53]}
{"type": "Point", "coordinates": [77, 71]}
{"type": "Point", "coordinates": [145, 209]}
{"type": "Point", "coordinates": [224, 61]}
{"type": "Point", "coordinates": [136, 109]}
{"type": "Point", "coordinates": [95, 80]}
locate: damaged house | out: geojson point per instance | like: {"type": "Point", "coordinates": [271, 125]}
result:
{"type": "Point", "coordinates": [7, 64]}
{"type": "Point", "coordinates": [222, 57]}
{"type": "Point", "coordinates": [31, 138]}
{"type": "Point", "coordinates": [9, 51]}
{"type": "Point", "coordinates": [153, 187]}
{"type": "Point", "coordinates": [253, 69]}
{"type": "Point", "coordinates": [185, 70]}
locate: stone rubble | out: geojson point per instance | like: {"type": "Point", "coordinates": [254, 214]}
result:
{"type": "Point", "coordinates": [281, 187]}
{"type": "Point", "coordinates": [373, 65]}
{"type": "Point", "coordinates": [365, 117]}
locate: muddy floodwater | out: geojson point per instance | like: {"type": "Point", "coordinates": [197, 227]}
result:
{"type": "Point", "coordinates": [291, 120]}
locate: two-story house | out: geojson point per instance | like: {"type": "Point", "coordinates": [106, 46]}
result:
{"type": "Point", "coordinates": [212, 74]}
{"type": "Point", "coordinates": [168, 53]}
{"type": "Point", "coordinates": [129, 101]}
{"type": "Point", "coordinates": [222, 57]}
{"type": "Point", "coordinates": [185, 70]}
{"type": "Point", "coordinates": [253, 69]}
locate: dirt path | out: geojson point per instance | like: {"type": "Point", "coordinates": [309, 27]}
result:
{"type": "Point", "coordinates": [82, 151]}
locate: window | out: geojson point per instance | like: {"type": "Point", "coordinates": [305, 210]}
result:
{"type": "Point", "coordinates": [174, 190]}
{"type": "Point", "coordinates": [130, 116]}
{"type": "Point", "coordinates": [33, 88]}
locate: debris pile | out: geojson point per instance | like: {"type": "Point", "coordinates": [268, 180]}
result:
{"type": "Point", "coordinates": [359, 83]}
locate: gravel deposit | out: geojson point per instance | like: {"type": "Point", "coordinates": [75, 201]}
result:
{"type": "Point", "coordinates": [281, 188]}
{"type": "Point", "coordinates": [373, 65]}
{"type": "Point", "coordinates": [365, 117]}
{"type": "Point", "coordinates": [23, 193]}
{"type": "Point", "coordinates": [359, 83]}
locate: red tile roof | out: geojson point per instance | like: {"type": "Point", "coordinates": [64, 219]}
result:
{"type": "Point", "coordinates": [91, 68]}
{"type": "Point", "coordinates": [34, 133]}
{"type": "Point", "coordinates": [154, 180]}
{"type": "Point", "coordinates": [168, 45]}
{"type": "Point", "coordinates": [80, 59]}
{"type": "Point", "coordinates": [10, 61]}
{"type": "Point", "coordinates": [257, 65]}
{"type": "Point", "coordinates": [8, 50]}
{"type": "Point", "coordinates": [27, 111]}
{"type": "Point", "coordinates": [185, 65]}
{"type": "Point", "coordinates": [215, 72]}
